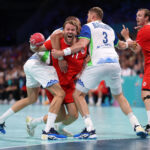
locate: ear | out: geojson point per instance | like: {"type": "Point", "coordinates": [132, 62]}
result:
{"type": "Point", "coordinates": [147, 19]}
{"type": "Point", "coordinates": [94, 16]}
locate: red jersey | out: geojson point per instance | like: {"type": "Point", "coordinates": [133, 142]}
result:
{"type": "Point", "coordinates": [75, 63]}
{"type": "Point", "coordinates": [143, 39]}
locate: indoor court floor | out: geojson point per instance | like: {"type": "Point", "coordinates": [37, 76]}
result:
{"type": "Point", "coordinates": [112, 126]}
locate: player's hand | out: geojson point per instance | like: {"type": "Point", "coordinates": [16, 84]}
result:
{"type": "Point", "coordinates": [125, 32]}
{"type": "Point", "coordinates": [36, 40]}
{"type": "Point", "coordinates": [33, 48]}
{"type": "Point", "coordinates": [132, 45]}
{"type": "Point", "coordinates": [63, 65]}
{"type": "Point", "coordinates": [137, 27]}
{"type": "Point", "coordinates": [57, 53]}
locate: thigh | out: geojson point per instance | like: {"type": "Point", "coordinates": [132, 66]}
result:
{"type": "Point", "coordinates": [45, 75]}
{"type": "Point", "coordinates": [90, 78]}
{"type": "Point", "coordinates": [30, 81]}
{"type": "Point", "coordinates": [113, 80]}
{"type": "Point", "coordinates": [33, 93]}
{"type": "Point", "coordinates": [69, 89]}
{"type": "Point", "coordinates": [55, 89]}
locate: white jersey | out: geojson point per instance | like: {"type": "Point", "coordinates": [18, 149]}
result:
{"type": "Point", "coordinates": [42, 57]}
{"type": "Point", "coordinates": [102, 41]}
{"type": "Point", "coordinates": [104, 64]}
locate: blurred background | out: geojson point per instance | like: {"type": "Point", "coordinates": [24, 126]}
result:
{"type": "Point", "coordinates": [21, 18]}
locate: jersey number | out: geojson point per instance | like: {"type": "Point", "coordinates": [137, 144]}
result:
{"type": "Point", "coordinates": [105, 40]}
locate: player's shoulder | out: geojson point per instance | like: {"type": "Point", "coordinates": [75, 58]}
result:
{"type": "Point", "coordinates": [100, 24]}
{"type": "Point", "coordinates": [145, 28]}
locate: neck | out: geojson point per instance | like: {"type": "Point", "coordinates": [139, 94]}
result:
{"type": "Point", "coordinates": [97, 20]}
{"type": "Point", "coordinates": [148, 23]}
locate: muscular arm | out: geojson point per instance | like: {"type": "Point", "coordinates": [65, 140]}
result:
{"type": "Point", "coordinates": [81, 44]}
{"type": "Point", "coordinates": [133, 45]}
{"type": "Point", "coordinates": [55, 40]}
{"type": "Point", "coordinates": [122, 45]}
{"type": "Point", "coordinates": [125, 34]}
{"type": "Point", "coordinates": [38, 49]}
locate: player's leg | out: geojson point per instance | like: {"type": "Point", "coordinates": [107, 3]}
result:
{"type": "Point", "coordinates": [91, 97]}
{"type": "Point", "coordinates": [71, 109]}
{"type": "Point", "coordinates": [68, 119]}
{"type": "Point", "coordinates": [72, 114]}
{"type": "Point", "coordinates": [58, 96]}
{"type": "Point", "coordinates": [32, 123]}
{"type": "Point", "coordinates": [99, 98]}
{"type": "Point", "coordinates": [87, 81]}
{"type": "Point", "coordinates": [126, 109]}
{"type": "Point", "coordinates": [146, 99]}
{"type": "Point", "coordinates": [114, 82]}
{"type": "Point", "coordinates": [19, 105]}
{"type": "Point", "coordinates": [82, 106]}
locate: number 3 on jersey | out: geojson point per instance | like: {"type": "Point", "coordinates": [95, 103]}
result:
{"type": "Point", "coordinates": [105, 40]}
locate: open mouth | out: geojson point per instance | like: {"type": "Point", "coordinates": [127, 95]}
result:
{"type": "Point", "coordinates": [70, 36]}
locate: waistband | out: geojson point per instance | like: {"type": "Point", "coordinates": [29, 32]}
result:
{"type": "Point", "coordinates": [107, 60]}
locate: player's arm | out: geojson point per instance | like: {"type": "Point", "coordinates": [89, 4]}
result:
{"type": "Point", "coordinates": [36, 42]}
{"type": "Point", "coordinates": [81, 44]}
{"type": "Point", "coordinates": [55, 41]}
{"type": "Point", "coordinates": [125, 33]}
{"type": "Point", "coordinates": [127, 45]}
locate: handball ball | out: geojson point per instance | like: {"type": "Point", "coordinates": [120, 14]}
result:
{"type": "Point", "coordinates": [37, 39]}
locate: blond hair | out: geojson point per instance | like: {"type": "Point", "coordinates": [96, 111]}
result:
{"type": "Point", "coordinates": [98, 11]}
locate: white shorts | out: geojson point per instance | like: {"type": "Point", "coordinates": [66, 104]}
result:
{"type": "Point", "coordinates": [38, 73]}
{"type": "Point", "coordinates": [93, 75]}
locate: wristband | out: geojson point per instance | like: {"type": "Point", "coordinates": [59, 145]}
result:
{"type": "Point", "coordinates": [67, 51]}
{"type": "Point", "coordinates": [61, 58]}
{"type": "Point", "coordinates": [126, 43]}
{"type": "Point", "coordinates": [129, 39]}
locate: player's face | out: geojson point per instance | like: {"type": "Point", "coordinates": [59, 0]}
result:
{"type": "Point", "coordinates": [140, 18]}
{"type": "Point", "coordinates": [70, 31]}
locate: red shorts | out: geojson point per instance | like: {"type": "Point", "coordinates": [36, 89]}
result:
{"type": "Point", "coordinates": [69, 89]}
{"type": "Point", "coordinates": [146, 83]}
{"type": "Point", "coordinates": [146, 78]}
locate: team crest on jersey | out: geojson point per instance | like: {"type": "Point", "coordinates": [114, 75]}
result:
{"type": "Point", "coordinates": [144, 83]}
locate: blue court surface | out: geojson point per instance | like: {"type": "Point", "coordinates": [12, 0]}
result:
{"type": "Point", "coordinates": [112, 126]}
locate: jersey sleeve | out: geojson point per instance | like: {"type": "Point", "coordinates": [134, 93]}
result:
{"type": "Point", "coordinates": [48, 45]}
{"type": "Point", "coordinates": [138, 38]}
{"type": "Point", "coordinates": [85, 32]}
{"type": "Point", "coordinates": [116, 41]}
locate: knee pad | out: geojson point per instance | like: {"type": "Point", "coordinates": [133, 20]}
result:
{"type": "Point", "coordinates": [146, 97]}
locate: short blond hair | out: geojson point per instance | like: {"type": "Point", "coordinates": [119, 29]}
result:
{"type": "Point", "coordinates": [72, 22]}
{"type": "Point", "coordinates": [98, 11]}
